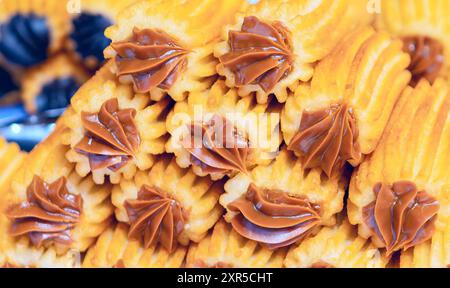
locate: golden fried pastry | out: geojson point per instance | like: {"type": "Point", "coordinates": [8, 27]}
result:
{"type": "Point", "coordinates": [272, 46]}
{"type": "Point", "coordinates": [86, 38]}
{"type": "Point", "coordinates": [336, 247]}
{"type": "Point", "coordinates": [31, 30]}
{"type": "Point", "coordinates": [341, 115]}
{"type": "Point", "coordinates": [51, 85]}
{"type": "Point", "coordinates": [11, 158]}
{"type": "Point", "coordinates": [114, 249]}
{"type": "Point", "coordinates": [113, 132]}
{"type": "Point", "coordinates": [224, 248]}
{"type": "Point", "coordinates": [399, 196]}
{"type": "Point", "coordinates": [221, 134]}
{"type": "Point", "coordinates": [281, 203]}
{"type": "Point", "coordinates": [166, 46]}
{"type": "Point", "coordinates": [424, 27]}
{"type": "Point", "coordinates": [53, 214]}
{"type": "Point", "coordinates": [168, 205]}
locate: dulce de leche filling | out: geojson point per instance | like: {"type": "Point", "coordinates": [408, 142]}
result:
{"type": "Point", "coordinates": [111, 137]}
{"type": "Point", "coordinates": [152, 58]}
{"type": "Point", "coordinates": [327, 139]}
{"type": "Point", "coordinates": [272, 217]}
{"type": "Point", "coordinates": [260, 53]}
{"type": "Point", "coordinates": [427, 57]}
{"type": "Point", "coordinates": [48, 215]}
{"type": "Point", "coordinates": [155, 217]}
{"type": "Point", "coordinates": [400, 217]}
{"type": "Point", "coordinates": [217, 146]}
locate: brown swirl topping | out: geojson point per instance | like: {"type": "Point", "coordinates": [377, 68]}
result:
{"type": "Point", "coordinates": [152, 58]}
{"type": "Point", "coordinates": [48, 215]}
{"type": "Point", "coordinates": [155, 217]}
{"type": "Point", "coordinates": [401, 216]}
{"type": "Point", "coordinates": [427, 57]}
{"type": "Point", "coordinates": [217, 146]}
{"type": "Point", "coordinates": [111, 136]}
{"type": "Point", "coordinates": [272, 217]}
{"type": "Point", "coordinates": [327, 139]}
{"type": "Point", "coordinates": [260, 53]}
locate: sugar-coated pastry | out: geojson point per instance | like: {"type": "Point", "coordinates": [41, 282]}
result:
{"type": "Point", "coordinates": [53, 214]}
{"type": "Point", "coordinates": [341, 115]}
{"type": "Point", "coordinates": [113, 132]}
{"type": "Point", "coordinates": [114, 249]}
{"type": "Point", "coordinates": [166, 46]}
{"type": "Point", "coordinates": [281, 203]}
{"type": "Point", "coordinates": [168, 205]}
{"type": "Point", "coordinates": [272, 46]}
{"type": "Point", "coordinates": [224, 248]}
{"type": "Point", "coordinates": [399, 196]}
{"type": "Point", "coordinates": [221, 134]}
{"type": "Point", "coordinates": [336, 247]}
{"type": "Point", "coordinates": [11, 158]}
{"type": "Point", "coordinates": [8, 88]}
{"type": "Point", "coordinates": [51, 85]}
{"type": "Point", "coordinates": [31, 30]}
{"type": "Point", "coordinates": [86, 37]}
{"type": "Point", "coordinates": [424, 27]}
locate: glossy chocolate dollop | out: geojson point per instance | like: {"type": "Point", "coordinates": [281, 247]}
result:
{"type": "Point", "coordinates": [260, 53]}
{"type": "Point", "coordinates": [217, 146]}
{"type": "Point", "coordinates": [155, 217]}
{"type": "Point", "coordinates": [48, 215]}
{"type": "Point", "coordinates": [152, 58]}
{"type": "Point", "coordinates": [88, 35]}
{"type": "Point", "coordinates": [111, 136]}
{"type": "Point", "coordinates": [56, 94]}
{"type": "Point", "coordinates": [327, 139]}
{"type": "Point", "coordinates": [272, 217]}
{"type": "Point", "coordinates": [401, 216]}
{"type": "Point", "coordinates": [25, 39]}
{"type": "Point", "coordinates": [427, 57]}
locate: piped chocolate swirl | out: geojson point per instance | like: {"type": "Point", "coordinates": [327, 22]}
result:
{"type": "Point", "coordinates": [48, 215]}
{"type": "Point", "coordinates": [261, 53]}
{"type": "Point", "coordinates": [155, 218]}
{"type": "Point", "coordinates": [272, 217]}
{"type": "Point", "coordinates": [111, 137]}
{"type": "Point", "coordinates": [152, 58]}
{"type": "Point", "coordinates": [327, 139]}
{"type": "Point", "coordinates": [401, 216]}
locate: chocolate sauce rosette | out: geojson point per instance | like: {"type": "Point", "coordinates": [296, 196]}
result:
{"type": "Point", "coordinates": [166, 47]}
{"type": "Point", "coordinates": [341, 115]}
{"type": "Point", "coordinates": [424, 28]}
{"type": "Point", "coordinates": [221, 134]}
{"type": "Point", "coordinates": [168, 205]}
{"type": "Point", "coordinates": [51, 85]}
{"type": "Point", "coordinates": [282, 203]}
{"type": "Point", "coordinates": [53, 214]}
{"type": "Point", "coordinates": [271, 47]}
{"type": "Point", "coordinates": [225, 248]}
{"type": "Point", "coordinates": [31, 30]}
{"type": "Point", "coordinates": [399, 195]}
{"type": "Point", "coordinates": [336, 247]}
{"type": "Point", "coordinates": [113, 132]}
{"type": "Point", "coordinates": [114, 249]}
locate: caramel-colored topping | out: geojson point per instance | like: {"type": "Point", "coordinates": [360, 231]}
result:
{"type": "Point", "coordinates": [260, 53]}
{"type": "Point", "coordinates": [273, 217]}
{"type": "Point", "coordinates": [427, 57]}
{"type": "Point", "coordinates": [111, 136]}
{"type": "Point", "coordinates": [327, 139]}
{"type": "Point", "coordinates": [321, 264]}
{"type": "Point", "coordinates": [401, 216]}
{"type": "Point", "coordinates": [155, 217]}
{"type": "Point", "coordinates": [48, 215]}
{"type": "Point", "coordinates": [152, 58]}
{"type": "Point", "coordinates": [119, 264]}
{"type": "Point", "coordinates": [217, 146]}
